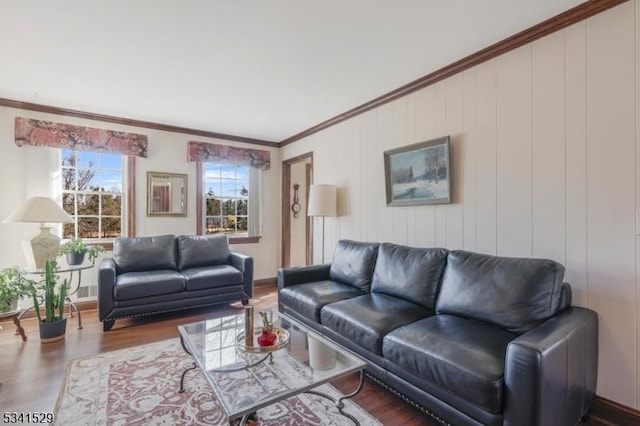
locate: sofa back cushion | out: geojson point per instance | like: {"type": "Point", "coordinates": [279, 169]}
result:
{"type": "Point", "coordinates": [409, 273]}
{"type": "Point", "coordinates": [145, 253]}
{"type": "Point", "coordinates": [353, 263]}
{"type": "Point", "coordinates": [202, 250]}
{"type": "Point", "coordinates": [515, 294]}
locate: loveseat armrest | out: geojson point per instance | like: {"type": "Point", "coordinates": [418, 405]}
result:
{"type": "Point", "coordinates": [106, 282]}
{"type": "Point", "coordinates": [302, 274]}
{"type": "Point", "coordinates": [551, 371]}
{"type": "Point", "coordinates": [244, 263]}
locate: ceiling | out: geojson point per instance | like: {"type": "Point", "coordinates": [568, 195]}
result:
{"type": "Point", "coordinates": [252, 68]}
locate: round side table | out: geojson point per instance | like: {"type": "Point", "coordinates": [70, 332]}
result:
{"type": "Point", "coordinates": [15, 316]}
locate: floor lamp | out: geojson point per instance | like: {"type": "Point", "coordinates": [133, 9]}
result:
{"type": "Point", "coordinates": [43, 210]}
{"type": "Point", "coordinates": [323, 202]}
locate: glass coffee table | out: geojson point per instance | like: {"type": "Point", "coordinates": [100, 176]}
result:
{"type": "Point", "coordinates": [245, 381]}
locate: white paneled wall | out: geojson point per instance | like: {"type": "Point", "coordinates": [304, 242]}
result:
{"type": "Point", "coordinates": [545, 164]}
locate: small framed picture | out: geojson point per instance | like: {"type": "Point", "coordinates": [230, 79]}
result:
{"type": "Point", "coordinates": [418, 174]}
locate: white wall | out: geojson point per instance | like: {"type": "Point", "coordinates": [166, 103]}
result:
{"type": "Point", "coordinates": [545, 163]}
{"type": "Point", "coordinates": [167, 152]}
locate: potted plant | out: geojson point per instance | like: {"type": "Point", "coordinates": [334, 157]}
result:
{"type": "Point", "coordinates": [13, 285]}
{"type": "Point", "coordinates": [75, 249]}
{"type": "Point", "coordinates": [52, 295]}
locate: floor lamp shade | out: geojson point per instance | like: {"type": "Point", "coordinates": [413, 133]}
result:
{"type": "Point", "coordinates": [323, 200]}
{"type": "Point", "coordinates": [43, 210]}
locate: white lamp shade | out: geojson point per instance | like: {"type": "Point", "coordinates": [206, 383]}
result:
{"type": "Point", "coordinates": [323, 200]}
{"type": "Point", "coordinates": [40, 209]}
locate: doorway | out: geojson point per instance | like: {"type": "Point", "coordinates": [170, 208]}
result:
{"type": "Point", "coordinates": [297, 244]}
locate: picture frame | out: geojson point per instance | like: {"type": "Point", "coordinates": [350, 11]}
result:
{"type": "Point", "coordinates": [418, 174]}
{"type": "Point", "coordinates": [166, 194]}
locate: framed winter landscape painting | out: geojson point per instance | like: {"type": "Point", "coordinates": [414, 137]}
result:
{"type": "Point", "coordinates": [418, 174]}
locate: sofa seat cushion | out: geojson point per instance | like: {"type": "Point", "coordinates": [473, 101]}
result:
{"type": "Point", "coordinates": [309, 298]}
{"type": "Point", "coordinates": [212, 276]}
{"type": "Point", "coordinates": [134, 285]}
{"type": "Point", "coordinates": [365, 320]}
{"type": "Point", "coordinates": [464, 357]}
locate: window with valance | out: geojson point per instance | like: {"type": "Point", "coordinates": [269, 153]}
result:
{"type": "Point", "coordinates": [90, 178]}
{"type": "Point", "coordinates": [230, 182]}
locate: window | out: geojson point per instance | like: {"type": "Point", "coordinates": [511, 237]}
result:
{"type": "Point", "coordinates": [231, 200]}
{"type": "Point", "coordinates": [92, 193]}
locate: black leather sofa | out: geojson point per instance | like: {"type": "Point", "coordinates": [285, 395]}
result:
{"type": "Point", "coordinates": [471, 338]}
{"type": "Point", "coordinates": [149, 275]}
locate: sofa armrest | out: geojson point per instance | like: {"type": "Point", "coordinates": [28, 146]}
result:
{"type": "Point", "coordinates": [106, 283]}
{"type": "Point", "coordinates": [302, 274]}
{"type": "Point", "coordinates": [245, 264]}
{"type": "Point", "coordinates": [551, 371]}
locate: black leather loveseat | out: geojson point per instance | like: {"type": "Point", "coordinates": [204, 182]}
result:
{"type": "Point", "coordinates": [472, 338]}
{"type": "Point", "coordinates": [149, 275]}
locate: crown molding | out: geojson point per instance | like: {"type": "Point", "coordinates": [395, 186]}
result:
{"type": "Point", "coordinates": [130, 122]}
{"type": "Point", "coordinates": [551, 25]}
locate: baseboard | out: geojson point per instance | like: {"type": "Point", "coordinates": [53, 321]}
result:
{"type": "Point", "coordinates": [613, 412]}
{"type": "Point", "coordinates": [264, 282]}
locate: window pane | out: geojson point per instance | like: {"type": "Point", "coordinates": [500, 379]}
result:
{"type": "Point", "coordinates": [69, 230]}
{"type": "Point", "coordinates": [88, 204]}
{"type": "Point", "coordinates": [212, 186]}
{"type": "Point", "coordinates": [227, 171]}
{"type": "Point", "coordinates": [211, 171]}
{"type": "Point", "coordinates": [68, 203]}
{"type": "Point", "coordinates": [88, 227]}
{"type": "Point", "coordinates": [112, 205]}
{"type": "Point", "coordinates": [242, 207]}
{"type": "Point", "coordinates": [68, 178]}
{"type": "Point", "coordinates": [242, 223]}
{"type": "Point", "coordinates": [111, 161]}
{"type": "Point", "coordinates": [88, 180]}
{"type": "Point", "coordinates": [88, 159]}
{"type": "Point", "coordinates": [227, 225]}
{"type": "Point", "coordinates": [213, 225]}
{"type": "Point", "coordinates": [111, 227]}
{"type": "Point", "coordinates": [213, 207]}
{"type": "Point", "coordinates": [229, 189]}
{"type": "Point", "coordinates": [228, 207]}
{"type": "Point", "coordinates": [111, 181]}
{"type": "Point", "coordinates": [69, 157]}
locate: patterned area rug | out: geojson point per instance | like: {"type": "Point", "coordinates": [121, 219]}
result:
{"type": "Point", "coordinates": [139, 386]}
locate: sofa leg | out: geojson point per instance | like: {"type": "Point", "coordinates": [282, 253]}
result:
{"type": "Point", "coordinates": [108, 324]}
{"type": "Point", "coordinates": [245, 302]}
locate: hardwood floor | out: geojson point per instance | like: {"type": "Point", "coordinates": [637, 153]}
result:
{"type": "Point", "coordinates": [32, 372]}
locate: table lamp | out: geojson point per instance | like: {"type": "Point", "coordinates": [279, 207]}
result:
{"type": "Point", "coordinates": [323, 202]}
{"type": "Point", "coordinates": [44, 210]}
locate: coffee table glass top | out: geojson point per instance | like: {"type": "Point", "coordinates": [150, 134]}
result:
{"type": "Point", "coordinates": [245, 382]}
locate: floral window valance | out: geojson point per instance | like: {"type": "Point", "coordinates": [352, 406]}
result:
{"type": "Point", "coordinates": [202, 151]}
{"type": "Point", "coordinates": [58, 135]}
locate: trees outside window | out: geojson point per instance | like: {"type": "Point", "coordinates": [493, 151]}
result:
{"type": "Point", "coordinates": [92, 193]}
